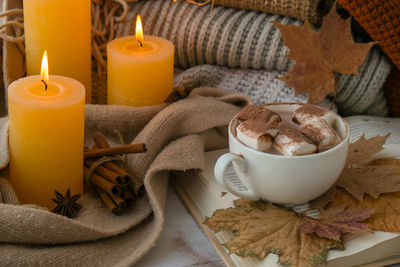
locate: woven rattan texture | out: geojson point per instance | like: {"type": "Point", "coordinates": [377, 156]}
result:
{"type": "Point", "coordinates": [381, 19]}
{"type": "Point", "coordinates": [392, 90]}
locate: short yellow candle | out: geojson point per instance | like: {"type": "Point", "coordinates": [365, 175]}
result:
{"type": "Point", "coordinates": [140, 73]}
{"type": "Point", "coordinates": [63, 27]}
{"type": "Point", "coordinates": [46, 134]}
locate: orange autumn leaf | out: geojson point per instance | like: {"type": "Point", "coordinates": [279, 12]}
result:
{"type": "Point", "coordinates": [378, 177]}
{"type": "Point", "coordinates": [319, 56]}
{"type": "Point", "coordinates": [385, 161]}
{"type": "Point", "coordinates": [387, 209]}
{"type": "Point", "coordinates": [371, 180]}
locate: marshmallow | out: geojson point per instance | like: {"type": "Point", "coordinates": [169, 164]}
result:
{"type": "Point", "coordinates": [321, 134]}
{"type": "Point", "coordinates": [306, 114]}
{"type": "Point", "coordinates": [252, 112]}
{"type": "Point", "coordinates": [256, 134]}
{"type": "Point", "coordinates": [291, 142]}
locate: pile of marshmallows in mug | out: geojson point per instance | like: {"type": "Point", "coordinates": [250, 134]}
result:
{"type": "Point", "coordinates": [308, 130]}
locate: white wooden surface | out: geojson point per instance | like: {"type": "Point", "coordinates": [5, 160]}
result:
{"type": "Point", "coordinates": [182, 242]}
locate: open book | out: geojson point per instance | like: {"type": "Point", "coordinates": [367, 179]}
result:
{"type": "Point", "coordinates": [202, 195]}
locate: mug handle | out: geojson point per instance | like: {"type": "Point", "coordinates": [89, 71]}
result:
{"type": "Point", "coordinates": [241, 166]}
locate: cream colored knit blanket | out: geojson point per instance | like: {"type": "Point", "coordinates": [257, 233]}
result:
{"type": "Point", "coordinates": [176, 136]}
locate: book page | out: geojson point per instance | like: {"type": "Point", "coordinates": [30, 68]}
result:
{"type": "Point", "coordinates": [373, 126]}
{"type": "Point", "coordinates": [205, 196]}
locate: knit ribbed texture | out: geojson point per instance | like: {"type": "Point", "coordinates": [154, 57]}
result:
{"type": "Point", "coordinates": [312, 10]}
{"type": "Point", "coordinates": [364, 93]}
{"type": "Point", "coordinates": [262, 86]}
{"type": "Point", "coordinates": [248, 40]}
{"type": "Point", "coordinates": [381, 19]}
{"type": "Point", "coordinates": [392, 90]}
{"type": "Point", "coordinates": [226, 36]}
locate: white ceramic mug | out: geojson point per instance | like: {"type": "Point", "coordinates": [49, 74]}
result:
{"type": "Point", "coordinates": [283, 179]}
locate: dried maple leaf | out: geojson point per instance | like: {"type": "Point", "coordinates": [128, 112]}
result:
{"type": "Point", "coordinates": [387, 209]}
{"type": "Point", "coordinates": [363, 148]}
{"type": "Point", "coordinates": [372, 180]}
{"type": "Point", "coordinates": [319, 56]}
{"type": "Point", "coordinates": [261, 229]}
{"type": "Point", "coordinates": [385, 161]}
{"type": "Point", "coordinates": [323, 200]}
{"type": "Point", "coordinates": [337, 221]}
{"type": "Point", "coordinates": [378, 177]}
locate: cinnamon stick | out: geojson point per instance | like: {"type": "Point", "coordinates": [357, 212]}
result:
{"type": "Point", "coordinates": [128, 196]}
{"type": "Point", "coordinates": [124, 176]}
{"type": "Point", "coordinates": [104, 184]}
{"type": "Point", "coordinates": [108, 201]}
{"type": "Point", "coordinates": [119, 201]}
{"type": "Point", "coordinates": [107, 173]}
{"type": "Point", "coordinates": [117, 150]}
{"type": "Point", "coordinates": [101, 142]}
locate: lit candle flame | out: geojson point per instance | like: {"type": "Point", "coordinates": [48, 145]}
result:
{"type": "Point", "coordinates": [139, 30]}
{"type": "Point", "coordinates": [44, 73]}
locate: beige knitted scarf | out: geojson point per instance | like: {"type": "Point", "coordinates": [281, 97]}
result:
{"type": "Point", "coordinates": [176, 136]}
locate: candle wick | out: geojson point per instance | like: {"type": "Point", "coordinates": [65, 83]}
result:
{"type": "Point", "coordinates": [45, 85]}
{"type": "Point", "coordinates": [141, 45]}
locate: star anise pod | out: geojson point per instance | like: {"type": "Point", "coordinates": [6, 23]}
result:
{"type": "Point", "coordinates": [66, 205]}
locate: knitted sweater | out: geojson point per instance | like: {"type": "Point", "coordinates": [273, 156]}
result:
{"type": "Point", "coordinates": [261, 85]}
{"type": "Point", "coordinates": [312, 10]}
{"type": "Point", "coordinates": [248, 40]}
{"type": "Point", "coordinates": [381, 19]}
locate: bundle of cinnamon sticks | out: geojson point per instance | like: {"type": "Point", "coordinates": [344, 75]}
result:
{"type": "Point", "coordinates": [109, 179]}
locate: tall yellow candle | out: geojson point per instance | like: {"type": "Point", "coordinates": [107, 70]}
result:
{"type": "Point", "coordinates": [63, 27]}
{"type": "Point", "coordinates": [140, 70]}
{"type": "Point", "coordinates": [46, 133]}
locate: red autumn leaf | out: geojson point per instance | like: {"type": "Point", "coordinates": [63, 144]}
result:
{"type": "Point", "coordinates": [387, 209]}
{"type": "Point", "coordinates": [337, 221]}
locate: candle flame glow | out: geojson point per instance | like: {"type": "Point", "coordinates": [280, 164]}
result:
{"type": "Point", "coordinates": [44, 73]}
{"type": "Point", "coordinates": [139, 30]}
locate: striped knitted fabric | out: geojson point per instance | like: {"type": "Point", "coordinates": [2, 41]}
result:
{"type": "Point", "coordinates": [248, 40]}
{"type": "Point", "coordinates": [381, 19]}
{"type": "Point", "coordinates": [226, 36]}
{"type": "Point", "coordinates": [261, 85]}
{"type": "Point", "coordinates": [312, 10]}
{"type": "Point", "coordinates": [364, 93]}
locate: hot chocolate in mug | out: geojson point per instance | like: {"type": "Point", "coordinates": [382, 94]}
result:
{"type": "Point", "coordinates": [278, 178]}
